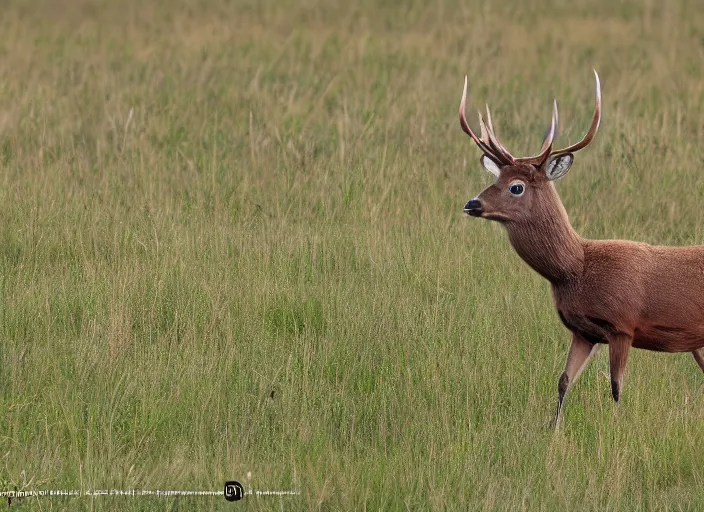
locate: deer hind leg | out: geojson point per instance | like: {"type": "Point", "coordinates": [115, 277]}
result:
{"type": "Point", "coordinates": [577, 358]}
{"type": "Point", "coordinates": [619, 345]}
{"type": "Point", "coordinates": [699, 357]}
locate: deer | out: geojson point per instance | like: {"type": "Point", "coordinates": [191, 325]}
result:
{"type": "Point", "coordinates": [619, 293]}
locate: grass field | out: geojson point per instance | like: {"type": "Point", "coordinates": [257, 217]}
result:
{"type": "Point", "coordinates": [232, 242]}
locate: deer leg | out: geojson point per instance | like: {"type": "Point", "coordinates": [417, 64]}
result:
{"type": "Point", "coordinates": [577, 358]}
{"type": "Point", "coordinates": [699, 357]}
{"type": "Point", "coordinates": [618, 355]}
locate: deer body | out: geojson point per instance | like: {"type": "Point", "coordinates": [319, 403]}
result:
{"type": "Point", "coordinates": [607, 292]}
{"type": "Point", "coordinates": [631, 289]}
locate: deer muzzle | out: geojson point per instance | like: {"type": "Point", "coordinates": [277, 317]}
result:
{"type": "Point", "coordinates": [473, 208]}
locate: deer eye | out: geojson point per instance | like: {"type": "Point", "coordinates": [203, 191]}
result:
{"type": "Point", "coordinates": [516, 188]}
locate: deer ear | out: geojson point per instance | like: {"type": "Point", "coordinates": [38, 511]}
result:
{"type": "Point", "coordinates": [557, 166]}
{"type": "Point", "coordinates": [491, 166]}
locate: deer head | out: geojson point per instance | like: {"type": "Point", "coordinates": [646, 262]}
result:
{"type": "Point", "coordinates": [523, 191]}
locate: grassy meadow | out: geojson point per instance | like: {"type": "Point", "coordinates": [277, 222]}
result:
{"type": "Point", "coordinates": [232, 243]}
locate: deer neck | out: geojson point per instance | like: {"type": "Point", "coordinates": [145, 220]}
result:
{"type": "Point", "coordinates": [547, 242]}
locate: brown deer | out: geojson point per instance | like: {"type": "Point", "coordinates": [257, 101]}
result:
{"type": "Point", "coordinates": [616, 292]}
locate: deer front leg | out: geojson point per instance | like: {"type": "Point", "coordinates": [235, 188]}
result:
{"type": "Point", "coordinates": [577, 358]}
{"type": "Point", "coordinates": [699, 357]}
{"type": "Point", "coordinates": [619, 345]}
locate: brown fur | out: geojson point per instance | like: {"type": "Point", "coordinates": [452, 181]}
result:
{"type": "Point", "coordinates": [613, 292]}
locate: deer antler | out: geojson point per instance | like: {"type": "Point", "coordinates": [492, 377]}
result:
{"type": "Point", "coordinates": [494, 139]}
{"type": "Point", "coordinates": [546, 148]}
{"type": "Point", "coordinates": [490, 145]}
{"type": "Point", "coordinates": [487, 143]}
{"type": "Point", "coordinates": [596, 119]}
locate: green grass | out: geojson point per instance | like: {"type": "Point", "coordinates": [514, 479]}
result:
{"type": "Point", "coordinates": [266, 269]}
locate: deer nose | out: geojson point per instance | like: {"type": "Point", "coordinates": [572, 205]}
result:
{"type": "Point", "coordinates": [473, 208]}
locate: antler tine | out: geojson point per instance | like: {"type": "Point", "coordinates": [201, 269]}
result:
{"type": "Point", "coordinates": [495, 140]}
{"type": "Point", "coordinates": [483, 145]}
{"type": "Point", "coordinates": [546, 148]}
{"type": "Point", "coordinates": [547, 141]}
{"type": "Point", "coordinates": [551, 134]}
{"type": "Point", "coordinates": [596, 119]}
{"type": "Point", "coordinates": [486, 133]}
{"type": "Point", "coordinates": [486, 138]}
{"type": "Point", "coordinates": [490, 140]}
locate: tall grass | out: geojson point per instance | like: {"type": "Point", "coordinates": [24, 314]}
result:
{"type": "Point", "coordinates": [231, 242]}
